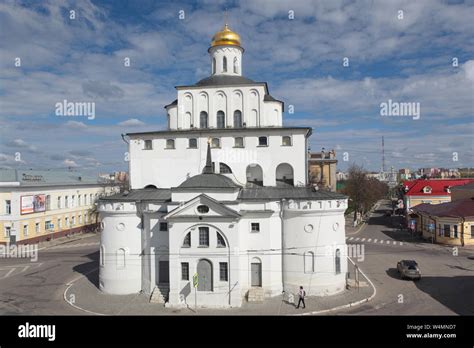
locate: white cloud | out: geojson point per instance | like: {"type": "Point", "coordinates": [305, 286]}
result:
{"type": "Point", "coordinates": [133, 122]}
{"type": "Point", "coordinates": [70, 163]}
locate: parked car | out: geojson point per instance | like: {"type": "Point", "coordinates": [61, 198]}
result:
{"type": "Point", "coordinates": [409, 269]}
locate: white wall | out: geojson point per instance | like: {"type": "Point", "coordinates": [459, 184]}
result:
{"type": "Point", "coordinates": [326, 236]}
{"type": "Point", "coordinates": [170, 167]}
{"type": "Point", "coordinates": [248, 99]}
{"type": "Point", "coordinates": [121, 230]}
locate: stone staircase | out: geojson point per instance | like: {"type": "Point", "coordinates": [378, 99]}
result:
{"type": "Point", "coordinates": [255, 295]}
{"type": "Point", "coordinates": [160, 293]}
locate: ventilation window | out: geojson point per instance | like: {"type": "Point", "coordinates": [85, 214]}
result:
{"type": "Point", "coordinates": [203, 209]}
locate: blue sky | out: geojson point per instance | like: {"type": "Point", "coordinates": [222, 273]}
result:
{"type": "Point", "coordinates": [407, 59]}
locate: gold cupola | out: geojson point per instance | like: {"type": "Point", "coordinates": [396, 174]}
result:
{"type": "Point", "coordinates": [226, 37]}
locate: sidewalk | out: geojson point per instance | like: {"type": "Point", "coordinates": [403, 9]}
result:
{"type": "Point", "coordinates": [90, 300]}
{"type": "Point", "coordinates": [64, 240]}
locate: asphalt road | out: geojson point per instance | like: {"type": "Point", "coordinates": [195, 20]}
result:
{"type": "Point", "coordinates": [447, 282]}
{"type": "Point", "coordinates": [446, 287]}
{"type": "Point", "coordinates": [36, 288]}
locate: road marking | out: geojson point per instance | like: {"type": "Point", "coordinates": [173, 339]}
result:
{"type": "Point", "coordinates": [368, 240]}
{"type": "Point", "coordinates": [362, 239]}
{"type": "Point", "coordinates": [388, 242]}
{"type": "Point", "coordinates": [6, 275]}
{"type": "Point", "coordinates": [394, 243]}
{"type": "Point", "coordinates": [381, 241]}
{"type": "Point", "coordinates": [401, 243]}
{"type": "Point", "coordinates": [357, 239]}
{"type": "Point", "coordinates": [347, 237]}
{"type": "Point", "coordinates": [375, 240]}
{"type": "Point", "coordinates": [351, 238]}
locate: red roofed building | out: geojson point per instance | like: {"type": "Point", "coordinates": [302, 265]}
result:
{"type": "Point", "coordinates": [432, 191]}
{"type": "Point", "coordinates": [446, 223]}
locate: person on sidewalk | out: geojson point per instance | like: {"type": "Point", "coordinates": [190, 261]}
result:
{"type": "Point", "coordinates": [301, 294]}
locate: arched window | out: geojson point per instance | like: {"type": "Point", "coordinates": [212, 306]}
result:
{"type": "Point", "coordinates": [121, 258]}
{"type": "Point", "coordinates": [254, 174]}
{"type": "Point", "coordinates": [102, 255]}
{"type": "Point", "coordinates": [308, 262]}
{"type": "Point", "coordinates": [338, 261]}
{"type": "Point", "coordinates": [236, 66]}
{"type": "Point", "coordinates": [220, 119]}
{"type": "Point", "coordinates": [187, 241]}
{"type": "Point", "coordinates": [224, 64]}
{"type": "Point", "coordinates": [213, 66]}
{"type": "Point", "coordinates": [286, 141]}
{"type": "Point", "coordinates": [237, 119]}
{"type": "Point", "coordinates": [224, 168]}
{"type": "Point", "coordinates": [170, 143]}
{"type": "Point", "coordinates": [284, 174]}
{"type": "Point", "coordinates": [203, 119]}
{"type": "Point", "coordinates": [220, 241]}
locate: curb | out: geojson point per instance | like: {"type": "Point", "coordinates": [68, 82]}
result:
{"type": "Point", "coordinates": [71, 283]}
{"type": "Point", "coordinates": [67, 241]}
{"type": "Point", "coordinates": [349, 305]}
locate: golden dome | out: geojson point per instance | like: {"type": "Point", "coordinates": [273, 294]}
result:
{"type": "Point", "coordinates": [226, 37]}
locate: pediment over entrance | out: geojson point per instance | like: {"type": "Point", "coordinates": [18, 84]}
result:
{"type": "Point", "coordinates": [202, 206]}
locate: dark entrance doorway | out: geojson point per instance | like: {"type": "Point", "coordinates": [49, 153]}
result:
{"type": "Point", "coordinates": [164, 272]}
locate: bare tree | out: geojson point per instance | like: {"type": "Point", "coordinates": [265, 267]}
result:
{"type": "Point", "coordinates": [363, 191]}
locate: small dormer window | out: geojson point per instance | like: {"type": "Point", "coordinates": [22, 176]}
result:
{"type": "Point", "coordinates": [427, 189]}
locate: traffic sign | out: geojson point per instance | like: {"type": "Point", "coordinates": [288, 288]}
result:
{"type": "Point", "coordinates": [195, 280]}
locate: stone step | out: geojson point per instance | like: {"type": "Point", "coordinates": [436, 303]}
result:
{"type": "Point", "coordinates": [159, 294]}
{"type": "Point", "coordinates": [255, 295]}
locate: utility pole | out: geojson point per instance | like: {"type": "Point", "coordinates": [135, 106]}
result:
{"type": "Point", "coordinates": [383, 155]}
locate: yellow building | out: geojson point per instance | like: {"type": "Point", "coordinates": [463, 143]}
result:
{"type": "Point", "coordinates": [322, 169]}
{"type": "Point", "coordinates": [449, 223]}
{"type": "Point", "coordinates": [41, 205]}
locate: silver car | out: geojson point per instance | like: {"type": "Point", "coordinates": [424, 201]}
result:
{"type": "Point", "coordinates": [409, 269]}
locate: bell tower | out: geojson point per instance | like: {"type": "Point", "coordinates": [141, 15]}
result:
{"type": "Point", "coordinates": [226, 53]}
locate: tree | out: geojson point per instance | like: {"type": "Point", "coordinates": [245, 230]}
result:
{"type": "Point", "coordinates": [363, 191]}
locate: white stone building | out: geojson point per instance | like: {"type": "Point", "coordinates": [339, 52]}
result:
{"type": "Point", "coordinates": [222, 194]}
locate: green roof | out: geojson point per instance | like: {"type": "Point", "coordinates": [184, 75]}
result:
{"type": "Point", "coordinates": [47, 177]}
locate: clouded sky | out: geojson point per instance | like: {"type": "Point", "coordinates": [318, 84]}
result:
{"type": "Point", "coordinates": [403, 51]}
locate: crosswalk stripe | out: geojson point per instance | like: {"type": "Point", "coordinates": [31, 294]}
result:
{"type": "Point", "coordinates": [381, 241]}
{"type": "Point", "coordinates": [362, 239]}
{"type": "Point", "coordinates": [351, 238]}
{"type": "Point", "coordinates": [368, 240]}
{"type": "Point", "coordinates": [375, 240]}
{"type": "Point", "coordinates": [388, 242]}
{"type": "Point", "coordinates": [401, 243]}
{"type": "Point", "coordinates": [394, 243]}
{"type": "Point", "coordinates": [357, 239]}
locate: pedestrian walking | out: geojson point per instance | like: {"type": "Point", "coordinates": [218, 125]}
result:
{"type": "Point", "coordinates": [301, 295]}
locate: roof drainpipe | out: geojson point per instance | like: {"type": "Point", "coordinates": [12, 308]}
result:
{"type": "Point", "coordinates": [282, 202]}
